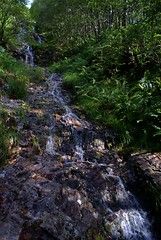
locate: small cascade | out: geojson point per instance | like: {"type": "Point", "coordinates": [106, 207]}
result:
{"type": "Point", "coordinates": [50, 145]}
{"type": "Point", "coordinates": [129, 220]}
{"type": "Point", "coordinates": [25, 52]}
{"type": "Point", "coordinates": [39, 39]}
{"type": "Point", "coordinates": [29, 58]}
{"type": "Point", "coordinates": [78, 139]}
{"type": "Point", "coordinates": [69, 118]}
{"type": "Point", "coordinates": [124, 218]}
{"type": "Point", "coordinates": [70, 188]}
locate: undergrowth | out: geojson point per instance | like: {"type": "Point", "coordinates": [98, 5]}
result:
{"type": "Point", "coordinates": [15, 77]}
{"type": "Point", "coordinates": [106, 84]}
{"type": "Point", "coordinates": [8, 135]}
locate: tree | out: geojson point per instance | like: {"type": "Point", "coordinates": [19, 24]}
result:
{"type": "Point", "coordinates": [12, 15]}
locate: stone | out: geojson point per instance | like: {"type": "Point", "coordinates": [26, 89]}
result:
{"type": "Point", "coordinates": [60, 196]}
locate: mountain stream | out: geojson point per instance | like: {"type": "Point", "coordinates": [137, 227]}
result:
{"type": "Point", "coordinates": [130, 221]}
{"type": "Point", "coordinates": [65, 182]}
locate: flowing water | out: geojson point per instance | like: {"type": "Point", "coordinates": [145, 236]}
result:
{"type": "Point", "coordinates": [129, 220]}
{"type": "Point", "coordinates": [39, 39]}
{"type": "Point", "coordinates": [25, 52]}
{"type": "Point", "coordinates": [69, 119]}
{"type": "Point", "coordinates": [29, 58]}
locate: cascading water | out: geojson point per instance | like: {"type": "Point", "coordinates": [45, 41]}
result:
{"type": "Point", "coordinates": [125, 219]}
{"type": "Point", "coordinates": [69, 118]}
{"type": "Point", "coordinates": [50, 145]}
{"type": "Point", "coordinates": [129, 220]}
{"type": "Point", "coordinates": [39, 39]}
{"type": "Point", "coordinates": [29, 58]}
{"type": "Point", "coordinates": [25, 52]}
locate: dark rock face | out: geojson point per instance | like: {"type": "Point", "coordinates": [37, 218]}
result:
{"type": "Point", "coordinates": [42, 198]}
{"type": "Point", "coordinates": [148, 169]}
{"type": "Point", "coordinates": [56, 189]}
{"type": "Point", "coordinates": [147, 183]}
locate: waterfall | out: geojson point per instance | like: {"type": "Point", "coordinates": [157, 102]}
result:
{"type": "Point", "coordinates": [50, 145]}
{"type": "Point", "coordinates": [70, 189]}
{"type": "Point", "coordinates": [25, 52]}
{"type": "Point", "coordinates": [39, 39]}
{"type": "Point", "coordinates": [29, 58]}
{"type": "Point", "coordinates": [129, 221]}
{"type": "Point", "coordinates": [69, 118]}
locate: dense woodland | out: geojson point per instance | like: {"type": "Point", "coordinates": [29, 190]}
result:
{"type": "Point", "coordinates": [109, 53]}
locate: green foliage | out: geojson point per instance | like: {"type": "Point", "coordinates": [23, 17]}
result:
{"type": "Point", "coordinates": [14, 78]}
{"type": "Point", "coordinates": [73, 23]}
{"type": "Point", "coordinates": [115, 84]}
{"type": "Point", "coordinates": [8, 137]}
{"type": "Point", "coordinates": [17, 88]}
{"type": "Point", "coordinates": [70, 81]}
{"type": "Point", "coordinates": [61, 66]}
{"type": "Point", "coordinates": [13, 15]}
{"type": "Point", "coordinates": [4, 142]}
{"type": "Point", "coordinates": [15, 74]}
{"type": "Point", "coordinates": [36, 74]}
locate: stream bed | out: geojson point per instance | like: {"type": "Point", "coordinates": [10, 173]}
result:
{"type": "Point", "coordinates": [66, 182]}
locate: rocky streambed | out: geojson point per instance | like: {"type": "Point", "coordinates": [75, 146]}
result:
{"type": "Point", "coordinates": [64, 180]}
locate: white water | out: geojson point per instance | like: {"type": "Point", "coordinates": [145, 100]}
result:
{"type": "Point", "coordinates": [39, 39]}
{"type": "Point", "coordinates": [50, 145]}
{"type": "Point", "coordinates": [128, 221]}
{"type": "Point", "coordinates": [131, 224]}
{"type": "Point", "coordinates": [25, 51]}
{"type": "Point", "coordinates": [69, 118]}
{"type": "Point", "coordinates": [29, 56]}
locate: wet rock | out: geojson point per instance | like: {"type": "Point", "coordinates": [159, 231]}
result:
{"type": "Point", "coordinates": [148, 166]}
{"type": "Point", "coordinates": [68, 193]}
